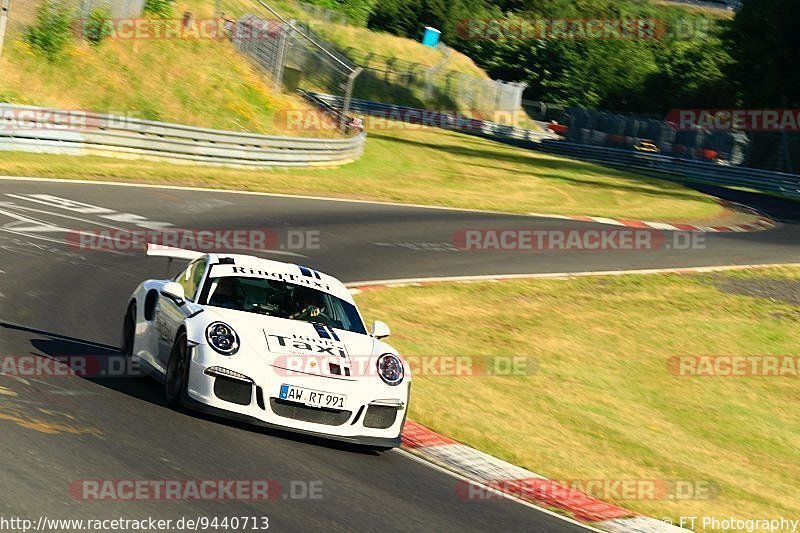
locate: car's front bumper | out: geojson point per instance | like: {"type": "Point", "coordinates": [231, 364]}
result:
{"type": "Point", "coordinates": [261, 405]}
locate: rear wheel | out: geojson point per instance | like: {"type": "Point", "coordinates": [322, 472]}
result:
{"type": "Point", "coordinates": [177, 379]}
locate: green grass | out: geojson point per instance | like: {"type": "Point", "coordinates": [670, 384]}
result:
{"type": "Point", "coordinates": [383, 44]}
{"type": "Point", "coordinates": [602, 404]}
{"type": "Point", "coordinates": [424, 166]}
{"type": "Point", "coordinates": [381, 80]}
{"type": "Point", "coordinates": [190, 81]}
{"type": "Point", "coordinates": [198, 82]}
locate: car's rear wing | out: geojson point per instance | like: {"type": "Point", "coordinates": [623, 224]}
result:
{"type": "Point", "coordinates": [158, 250]}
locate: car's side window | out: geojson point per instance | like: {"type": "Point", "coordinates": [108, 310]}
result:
{"type": "Point", "coordinates": [191, 277]}
{"type": "Point", "coordinates": [197, 277]}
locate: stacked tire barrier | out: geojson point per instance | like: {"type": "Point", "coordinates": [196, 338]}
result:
{"type": "Point", "coordinates": [665, 167]}
{"type": "Point", "coordinates": [42, 130]}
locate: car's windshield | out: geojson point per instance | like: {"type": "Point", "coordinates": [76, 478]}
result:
{"type": "Point", "coordinates": [284, 300]}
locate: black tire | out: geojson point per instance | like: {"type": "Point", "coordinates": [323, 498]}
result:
{"type": "Point", "coordinates": [177, 378]}
{"type": "Point", "coordinates": [128, 331]}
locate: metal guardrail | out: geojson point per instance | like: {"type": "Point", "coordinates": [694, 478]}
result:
{"type": "Point", "coordinates": [438, 119]}
{"type": "Point", "coordinates": [37, 129]}
{"type": "Point", "coordinates": [680, 169]}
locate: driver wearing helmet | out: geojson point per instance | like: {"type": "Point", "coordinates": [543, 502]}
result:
{"type": "Point", "coordinates": [309, 304]}
{"type": "Point", "coordinates": [225, 294]}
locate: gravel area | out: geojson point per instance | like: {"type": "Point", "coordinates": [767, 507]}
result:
{"type": "Point", "coordinates": [776, 289]}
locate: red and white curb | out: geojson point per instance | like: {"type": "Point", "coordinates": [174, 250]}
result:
{"type": "Point", "coordinates": [761, 224]}
{"type": "Point", "coordinates": [513, 480]}
{"type": "Point", "coordinates": [488, 471]}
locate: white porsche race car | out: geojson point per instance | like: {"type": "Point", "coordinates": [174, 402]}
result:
{"type": "Point", "coordinates": [269, 343]}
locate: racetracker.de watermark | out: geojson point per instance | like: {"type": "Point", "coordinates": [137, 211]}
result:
{"type": "Point", "coordinates": [541, 489]}
{"type": "Point", "coordinates": [194, 489]}
{"type": "Point", "coordinates": [734, 366]}
{"type": "Point", "coordinates": [398, 119]}
{"type": "Point", "coordinates": [19, 120]}
{"type": "Point", "coordinates": [158, 29]}
{"type": "Point", "coordinates": [582, 29]}
{"type": "Point", "coordinates": [562, 240]}
{"type": "Point", "coordinates": [207, 241]}
{"type": "Point", "coordinates": [787, 120]}
{"type": "Point", "coordinates": [325, 360]}
{"type": "Point", "coordinates": [59, 366]}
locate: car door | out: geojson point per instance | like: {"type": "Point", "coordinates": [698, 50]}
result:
{"type": "Point", "coordinates": [170, 314]}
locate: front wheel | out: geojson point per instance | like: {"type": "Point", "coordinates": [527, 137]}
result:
{"type": "Point", "coordinates": [128, 331]}
{"type": "Point", "coordinates": [177, 379]}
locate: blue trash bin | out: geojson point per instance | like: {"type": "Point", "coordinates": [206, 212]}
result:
{"type": "Point", "coordinates": [431, 37]}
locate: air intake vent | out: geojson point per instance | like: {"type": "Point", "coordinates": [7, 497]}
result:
{"type": "Point", "coordinates": [233, 390]}
{"type": "Point", "coordinates": [297, 411]}
{"type": "Point", "coordinates": [380, 417]}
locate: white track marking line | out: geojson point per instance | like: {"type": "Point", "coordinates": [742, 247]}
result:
{"type": "Point", "coordinates": [12, 205]}
{"type": "Point", "coordinates": [563, 275]}
{"type": "Point", "coordinates": [102, 225]}
{"type": "Point", "coordinates": [87, 209]}
{"type": "Point", "coordinates": [458, 476]}
{"type": "Point", "coordinates": [48, 239]}
{"type": "Point", "coordinates": [44, 227]}
{"type": "Point", "coordinates": [41, 226]}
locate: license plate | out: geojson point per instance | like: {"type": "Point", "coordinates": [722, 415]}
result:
{"type": "Point", "coordinates": [312, 398]}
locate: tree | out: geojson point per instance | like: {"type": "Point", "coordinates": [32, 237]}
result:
{"type": "Point", "coordinates": [765, 44]}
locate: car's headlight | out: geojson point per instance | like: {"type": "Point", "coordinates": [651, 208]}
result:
{"type": "Point", "coordinates": [222, 338]}
{"type": "Point", "coordinates": [390, 369]}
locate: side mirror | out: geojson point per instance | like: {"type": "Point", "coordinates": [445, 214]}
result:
{"type": "Point", "coordinates": [174, 291]}
{"type": "Point", "coordinates": [380, 330]}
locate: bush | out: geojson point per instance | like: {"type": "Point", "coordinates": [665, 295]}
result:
{"type": "Point", "coordinates": [159, 8]}
{"type": "Point", "coordinates": [97, 27]}
{"type": "Point", "coordinates": [52, 30]}
{"type": "Point", "coordinates": [357, 11]}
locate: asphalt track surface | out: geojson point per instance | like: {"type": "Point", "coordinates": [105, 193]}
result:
{"type": "Point", "coordinates": [57, 299]}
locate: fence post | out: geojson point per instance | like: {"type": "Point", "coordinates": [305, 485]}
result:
{"type": "Point", "coordinates": [5, 7]}
{"type": "Point", "coordinates": [389, 69]}
{"type": "Point", "coordinates": [348, 95]}
{"type": "Point", "coordinates": [280, 60]}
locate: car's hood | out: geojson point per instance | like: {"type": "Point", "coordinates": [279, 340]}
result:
{"type": "Point", "coordinates": [301, 346]}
